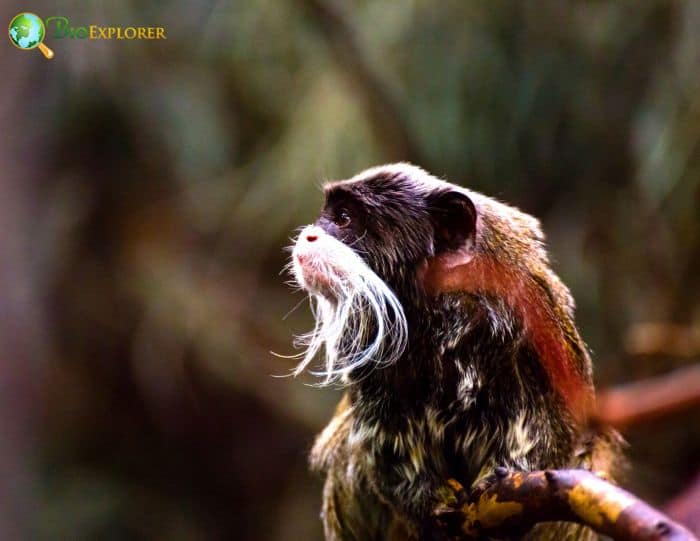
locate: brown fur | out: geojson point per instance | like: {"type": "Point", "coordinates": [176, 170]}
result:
{"type": "Point", "coordinates": [495, 372]}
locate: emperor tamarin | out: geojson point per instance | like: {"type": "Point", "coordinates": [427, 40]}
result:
{"type": "Point", "coordinates": [437, 310]}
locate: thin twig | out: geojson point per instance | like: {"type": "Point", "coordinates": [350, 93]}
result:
{"type": "Point", "coordinates": [636, 402]}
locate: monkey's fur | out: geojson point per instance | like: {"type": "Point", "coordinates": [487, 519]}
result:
{"type": "Point", "coordinates": [469, 360]}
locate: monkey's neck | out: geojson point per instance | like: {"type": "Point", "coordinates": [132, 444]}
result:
{"type": "Point", "coordinates": [470, 371]}
{"type": "Point", "coordinates": [450, 338]}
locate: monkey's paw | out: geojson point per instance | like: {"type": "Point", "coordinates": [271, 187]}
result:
{"type": "Point", "coordinates": [448, 516]}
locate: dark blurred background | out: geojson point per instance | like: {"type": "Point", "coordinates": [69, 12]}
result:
{"type": "Point", "coordinates": [147, 190]}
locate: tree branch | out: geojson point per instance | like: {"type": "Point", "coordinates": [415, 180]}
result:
{"type": "Point", "coordinates": [636, 402]}
{"type": "Point", "coordinates": [512, 502]}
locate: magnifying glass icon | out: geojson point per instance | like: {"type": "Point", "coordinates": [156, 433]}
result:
{"type": "Point", "coordinates": [27, 32]}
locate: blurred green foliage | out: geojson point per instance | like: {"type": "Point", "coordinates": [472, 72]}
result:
{"type": "Point", "coordinates": [162, 181]}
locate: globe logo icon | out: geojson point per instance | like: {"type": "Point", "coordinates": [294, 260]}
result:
{"type": "Point", "coordinates": [27, 32]}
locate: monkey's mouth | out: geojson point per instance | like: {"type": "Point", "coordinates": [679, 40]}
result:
{"type": "Point", "coordinates": [312, 276]}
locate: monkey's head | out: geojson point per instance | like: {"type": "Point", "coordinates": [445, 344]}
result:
{"type": "Point", "coordinates": [361, 259]}
{"type": "Point", "coordinates": [392, 239]}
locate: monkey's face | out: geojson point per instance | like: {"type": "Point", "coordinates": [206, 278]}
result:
{"type": "Point", "coordinates": [365, 252]}
{"type": "Point", "coordinates": [390, 219]}
{"type": "Point", "coordinates": [358, 317]}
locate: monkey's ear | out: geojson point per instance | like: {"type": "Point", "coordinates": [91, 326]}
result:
{"type": "Point", "coordinates": [454, 221]}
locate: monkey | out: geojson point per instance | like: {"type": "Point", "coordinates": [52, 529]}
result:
{"type": "Point", "coordinates": [438, 313]}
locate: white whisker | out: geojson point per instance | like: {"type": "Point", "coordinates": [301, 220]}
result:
{"type": "Point", "coordinates": [358, 319]}
{"type": "Point", "coordinates": [297, 305]}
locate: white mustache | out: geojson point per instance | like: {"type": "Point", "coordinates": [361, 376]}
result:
{"type": "Point", "coordinates": [359, 319]}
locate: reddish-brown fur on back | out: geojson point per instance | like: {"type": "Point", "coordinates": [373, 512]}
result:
{"type": "Point", "coordinates": [480, 274]}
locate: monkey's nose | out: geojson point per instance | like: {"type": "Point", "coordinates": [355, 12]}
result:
{"type": "Point", "coordinates": [311, 233]}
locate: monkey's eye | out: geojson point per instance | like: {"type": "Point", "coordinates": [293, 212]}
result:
{"type": "Point", "coordinates": [342, 218]}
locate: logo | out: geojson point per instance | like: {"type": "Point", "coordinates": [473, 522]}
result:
{"type": "Point", "coordinates": [27, 32]}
